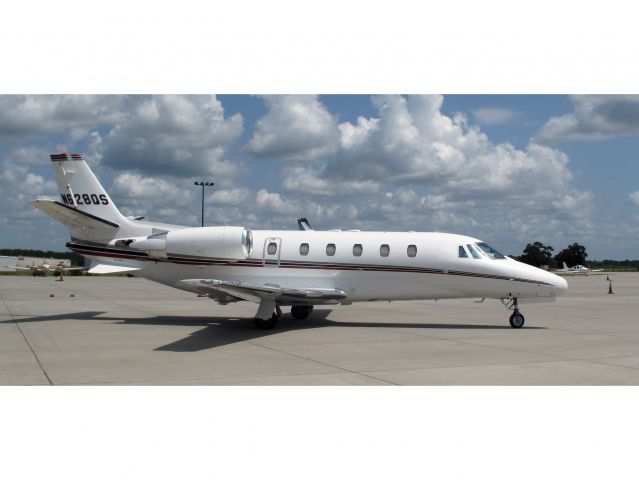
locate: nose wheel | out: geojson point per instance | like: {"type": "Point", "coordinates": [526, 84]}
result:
{"type": "Point", "coordinates": [516, 319]}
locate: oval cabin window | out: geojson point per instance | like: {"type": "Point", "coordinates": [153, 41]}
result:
{"type": "Point", "coordinates": [272, 248]}
{"type": "Point", "coordinates": [357, 250]}
{"type": "Point", "coordinates": [330, 249]}
{"type": "Point", "coordinates": [304, 249]}
{"type": "Point", "coordinates": [412, 250]}
{"type": "Point", "coordinates": [384, 250]}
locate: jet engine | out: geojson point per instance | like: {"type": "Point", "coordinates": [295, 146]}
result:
{"type": "Point", "coordinates": [228, 243]}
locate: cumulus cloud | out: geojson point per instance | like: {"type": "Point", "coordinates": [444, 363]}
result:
{"type": "Point", "coordinates": [494, 115]}
{"type": "Point", "coordinates": [413, 167]}
{"type": "Point", "coordinates": [28, 116]}
{"type": "Point", "coordinates": [229, 196]}
{"type": "Point", "coordinates": [177, 135]}
{"type": "Point", "coordinates": [161, 199]}
{"type": "Point", "coordinates": [634, 198]}
{"type": "Point", "coordinates": [296, 127]}
{"type": "Point", "coordinates": [595, 117]}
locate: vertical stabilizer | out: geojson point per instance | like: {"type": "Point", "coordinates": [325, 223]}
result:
{"type": "Point", "coordinates": [81, 190]}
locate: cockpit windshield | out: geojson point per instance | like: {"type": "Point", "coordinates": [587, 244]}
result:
{"type": "Point", "coordinates": [490, 251]}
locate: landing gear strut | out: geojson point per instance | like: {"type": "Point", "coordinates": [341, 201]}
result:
{"type": "Point", "coordinates": [300, 312]}
{"type": "Point", "coordinates": [516, 319]}
{"type": "Point", "coordinates": [268, 314]}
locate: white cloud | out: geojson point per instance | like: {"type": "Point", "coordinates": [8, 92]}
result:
{"type": "Point", "coordinates": [29, 116]}
{"type": "Point", "coordinates": [296, 127]}
{"type": "Point", "coordinates": [161, 199]}
{"type": "Point", "coordinates": [634, 198]}
{"type": "Point", "coordinates": [494, 115]}
{"type": "Point", "coordinates": [228, 196]}
{"type": "Point", "coordinates": [413, 167]}
{"type": "Point", "coordinates": [595, 117]}
{"type": "Point", "coordinates": [176, 135]}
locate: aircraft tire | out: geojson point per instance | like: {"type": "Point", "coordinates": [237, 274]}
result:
{"type": "Point", "coordinates": [516, 320]}
{"type": "Point", "coordinates": [300, 312]}
{"type": "Point", "coordinates": [268, 324]}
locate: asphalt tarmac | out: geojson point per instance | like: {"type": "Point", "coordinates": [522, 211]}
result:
{"type": "Point", "coordinates": [128, 331]}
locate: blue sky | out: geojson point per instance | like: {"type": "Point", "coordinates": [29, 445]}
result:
{"type": "Point", "coordinates": [509, 169]}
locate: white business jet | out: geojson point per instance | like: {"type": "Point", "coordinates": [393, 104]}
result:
{"type": "Point", "coordinates": [299, 268]}
{"type": "Point", "coordinates": [576, 270]}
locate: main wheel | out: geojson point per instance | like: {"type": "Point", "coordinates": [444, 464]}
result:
{"type": "Point", "coordinates": [300, 312]}
{"type": "Point", "coordinates": [516, 320]}
{"type": "Point", "coordinates": [267, 324]}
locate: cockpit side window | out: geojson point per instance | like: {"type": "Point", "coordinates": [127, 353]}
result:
{"type": "Point", "coordinates": [462, 252]}
{"type": "Point", "coordinates": [473, 251]}
{"type": "Point", "coordinates": [490, 251]}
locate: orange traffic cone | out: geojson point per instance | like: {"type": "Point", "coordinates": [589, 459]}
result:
{"type": "Point", "coordinates": [610, 292]}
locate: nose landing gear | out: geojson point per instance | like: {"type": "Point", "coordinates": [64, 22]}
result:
{"type": "Point", "coordinates": [516, 320]}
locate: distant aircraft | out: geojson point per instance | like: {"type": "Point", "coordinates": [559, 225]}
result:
{"type": "Point", "coordinates": [576, 270]}
{"type": "Point", "coordinates": [44, 268]}
{"type": "Point", "coordinates": [297, 268]}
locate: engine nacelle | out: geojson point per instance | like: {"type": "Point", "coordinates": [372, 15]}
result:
{"type": "Point", "coordinates": [228, 243]}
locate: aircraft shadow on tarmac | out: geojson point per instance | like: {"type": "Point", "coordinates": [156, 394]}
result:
{"type": "Point", "coordinates": [220, 331]}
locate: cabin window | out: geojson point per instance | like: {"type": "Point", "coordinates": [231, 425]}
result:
{"type": "Point", "coordinates": [304, 249]}
{"type": "Point", "coordinates": [357, 250]}
{"type": "Point", "coordinates": [473, 251]}
{"type": "Point", "coordinates": [462, 252]}
{"type": "Point", "coordinates": [490, 251]}
{"type": "Point", "coordinates": [384, 250]}
{"type": "Point", "coordinates": [330, 249]}
{"type": "Point", "coordinates": [411, 251]}
{"type": "Point", "coordinates": [272, 248]}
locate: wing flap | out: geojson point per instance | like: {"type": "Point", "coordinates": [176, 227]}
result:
{"type": "Point", "coordinates": [256, 293]}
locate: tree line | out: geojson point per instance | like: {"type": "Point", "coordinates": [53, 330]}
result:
{"type": "Point", "coordinates": [76, 260]}
{"type": "Point", "coordinates": [538, 255]}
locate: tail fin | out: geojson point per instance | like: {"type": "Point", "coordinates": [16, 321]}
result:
{"type": "Point", "coordinates": [81, 190]}
{"type": "Point", "coordinates": [565, 266]}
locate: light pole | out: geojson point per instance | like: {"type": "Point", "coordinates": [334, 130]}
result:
{"type": "Point", "coordinates": [203, 184]}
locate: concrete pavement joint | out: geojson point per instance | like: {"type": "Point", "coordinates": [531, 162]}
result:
{"type": "Point", "coordinates": [46, 375]}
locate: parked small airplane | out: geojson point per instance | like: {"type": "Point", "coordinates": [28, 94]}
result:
{"type": "Point", "coordinates": [576, 270]}
{"type": "Point", "coordinates": [44, 268]}
{"type": "Point", "coordinates": [298, 268]}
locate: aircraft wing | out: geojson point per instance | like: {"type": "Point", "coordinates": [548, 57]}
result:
{"type": "Point", "coordinates": [256, 293]}
{"type": "Point", "coordinates": [16, 268]}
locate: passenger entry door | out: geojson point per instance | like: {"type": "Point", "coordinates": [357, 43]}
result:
{"type": "Point", "coordinates": [271, 252]}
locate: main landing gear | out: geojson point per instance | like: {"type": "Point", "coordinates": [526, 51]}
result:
{"type": "Point", "coordinates": [300, 312]}
{"type": "Point", "coordinates": [269, 313]}
{"type": "Point", "coordinates": [516, 319]}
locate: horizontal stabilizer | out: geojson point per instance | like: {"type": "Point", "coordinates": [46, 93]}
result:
{"type": "Point", "coordinates": [255, 293]}
{"type": "Point", "coordinates": [102, 268]}
{"type": "Point", "coordinates": [72, 217]}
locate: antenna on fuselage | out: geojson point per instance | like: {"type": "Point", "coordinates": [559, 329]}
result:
{"type": "Point", "coordinates": [303, 224]}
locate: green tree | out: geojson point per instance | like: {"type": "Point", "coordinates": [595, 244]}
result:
{"type": "Point", "coordinates": [537, 254]}
{"type": "Point", "coordinates": [574, 254]}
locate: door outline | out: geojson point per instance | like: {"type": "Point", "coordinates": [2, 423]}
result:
{"type": "Point", "coordinates": [266, 256]}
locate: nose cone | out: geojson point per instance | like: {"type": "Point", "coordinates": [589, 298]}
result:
{"type": "Point", "coordinates": [550, 282]}
{"type": "Point", "coordinates": [560, 285]}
